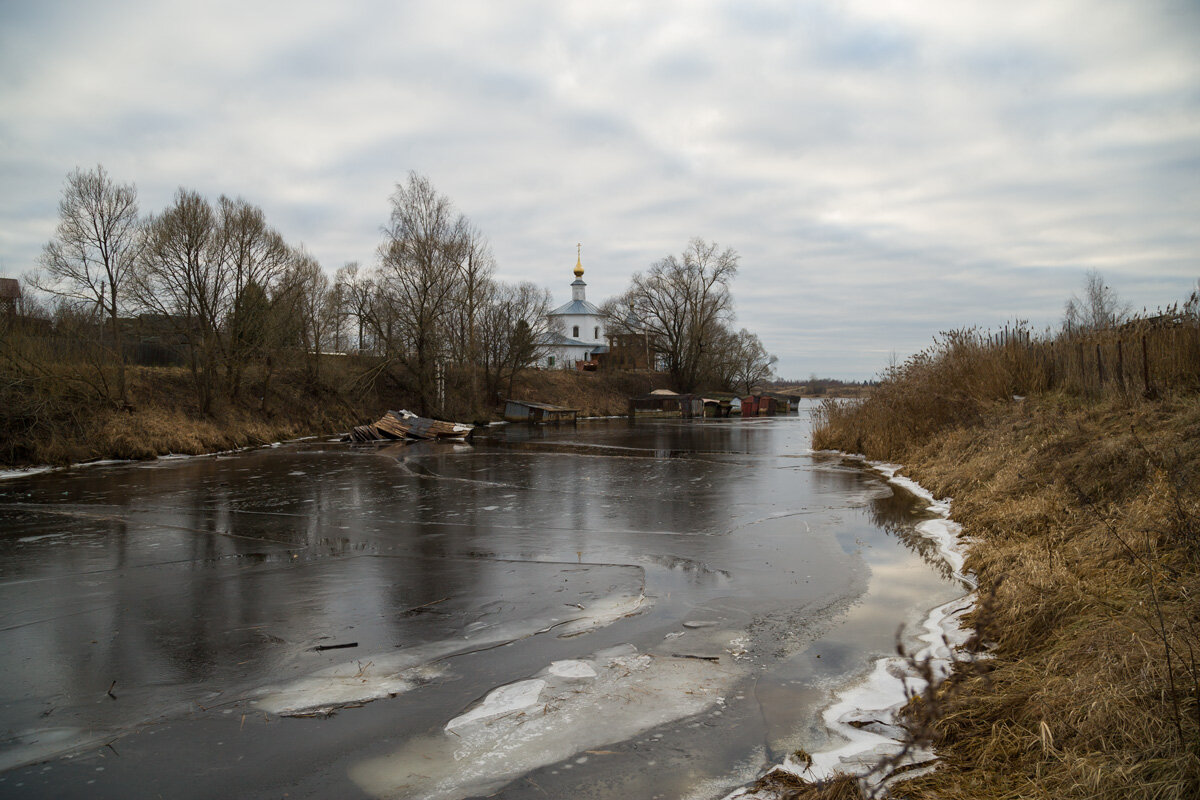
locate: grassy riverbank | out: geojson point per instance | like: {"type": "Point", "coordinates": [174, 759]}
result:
{"type": "Point", "coordinates": [1082, 507]}
{"type": "Point", "coordinates": [64, 418]}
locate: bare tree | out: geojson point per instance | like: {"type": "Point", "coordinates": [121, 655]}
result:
{"type": "Point", "coordinates": [682, 302]}
{"type": "Point", "coordinates": [750, 363]}
{"type": "Point", "coordinates": [514, 326]}
{"type": "Point", "coordinates": [94, 249]}
{"type": "Point", "coordinates": [280, 320]}
{"type": "Point", "coordinates": [254, 257]}
{"type": "Point", "coordinates": [356, 295]}
{"type": "Point", "coordinates": [621, 316]}
{"type": "Point", "coordinates": [420, 258]}
{"type": "Point", "coordinates": [475, 285]}
{"type": "Point", "coordinates": [1099, 308]}
{"type": "Point", "coordinates": [626, 332]}
{"type": "Point", "coordinates": [721, 363]}
{"type": "Point", "coordinates": [181, 278]}
{"type": "Point", "coordinates": [315, 305]}
{"type": "Point", "coordinates": [1191, 306]}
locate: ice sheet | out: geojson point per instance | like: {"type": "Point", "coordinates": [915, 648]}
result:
{"type": "Point", "coordinates": [548, 718]}
{"type": "Point", "coordinates": [572, 669]}
{"type": "Point", "coordinates": [505, 700]}
{"type": "Point", "coordinates": [864, 715]}
{"type": "Point", "coordinates": [379, 675]}
{"type": "Point", "coordinates": [10, 474]}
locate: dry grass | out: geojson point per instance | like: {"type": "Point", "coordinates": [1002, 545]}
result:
{"type": "Point", "coordinates": [59, 408]}
{"type": "Point", "coordinates": [595, 394]}
{"type": "Point", "coordinates": [786, 786]}
{"type": "Point", "coordinates": [1083, 507]}
{"type": "Point", "coordinates": [58, 422]}
{"type": "Point", "coordinates": [953, 382]}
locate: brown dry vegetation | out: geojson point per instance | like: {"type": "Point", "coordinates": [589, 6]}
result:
{"type": "Point", "coordinates": [1082, 506]}
{"type": "Point", "coordinates": [594, 394]}
{"type": "Point", "coordinates": [60, 420]}
{"type": "Point", "coordinates": [57, 408]}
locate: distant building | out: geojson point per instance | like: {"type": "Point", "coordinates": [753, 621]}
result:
{"type": "Point", "coordinates": [576, 336]}
{"type": "Point", "coordinates": [10, 299]}
{"type": "Point", "coordinates": [633, 349]}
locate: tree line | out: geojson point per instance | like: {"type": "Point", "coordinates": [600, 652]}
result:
{"type": "Point", "coordinates": [227, 286]}
{"type": "Point", "coordinates": [238, 299]}
{"type": "Point", "coordinates": [684, 306]}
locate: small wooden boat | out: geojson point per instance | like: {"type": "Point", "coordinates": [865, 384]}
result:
{"type": "Point", "coordinates": [404, 424]}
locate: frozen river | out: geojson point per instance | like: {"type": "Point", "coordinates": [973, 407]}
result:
{"type": "Point", "coordinates": [613, 610]}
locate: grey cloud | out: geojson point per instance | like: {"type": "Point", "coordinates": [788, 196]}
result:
{"type": "Point", "coordinates": [886, 171]}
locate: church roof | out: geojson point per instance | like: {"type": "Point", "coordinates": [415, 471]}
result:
{"type": "Point", "coordinates": [576, 307]}
{"type": "Point", "coordinates": [558, 340]}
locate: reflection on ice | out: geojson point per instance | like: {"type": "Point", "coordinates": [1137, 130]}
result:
{"type": "Point", "coordinates": [464, 576]}
{"type": "Point", "coordinates": [865, 717]}
{"type": "Point", "coordinates": [43, 743]}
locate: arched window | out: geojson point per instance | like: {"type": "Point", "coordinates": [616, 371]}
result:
{"type": "Point", "coordinates": [596, 332]}
{"type": "Point", "coordinates": [575, 332]}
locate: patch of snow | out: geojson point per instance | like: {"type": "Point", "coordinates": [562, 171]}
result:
{"type": "Point", "coordinates": [945, 533]}
{"type": "Point", "coordinates": [865, 715]}
{"type": "Point", "coordinates": [382, 675]}
{"type": "Point", "coordinates": [350, 684]}
{"type": "Point", "coordinates": [605, 612]}
{"type": "Point", "coordinates": [572, 669]}
{"type": "Point", "coordinates": [548, 719]}
{"type": "Point", "coordinates": [9, 474]}
{"type": "Point", "coordinates": [505, 700]}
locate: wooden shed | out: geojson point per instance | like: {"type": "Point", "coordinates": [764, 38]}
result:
{"type": "Point", "coordinates": [667, 405]}
{"type": "Point", "coordinates": [529, 411]}
{"type": "Point", "coordinates": [759, 406]}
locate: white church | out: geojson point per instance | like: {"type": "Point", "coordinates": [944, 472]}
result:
{"type": "Point", "coordinates": [576, 328]}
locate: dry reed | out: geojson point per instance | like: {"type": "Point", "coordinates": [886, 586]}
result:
{"type": "Point", "coordinates": [1082, 502]}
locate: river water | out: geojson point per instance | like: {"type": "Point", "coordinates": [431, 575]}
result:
{"type": "Point", "coordinates": [608, 610]}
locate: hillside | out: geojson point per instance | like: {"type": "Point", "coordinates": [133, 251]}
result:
{"type": "Point", "coordinates": [61, 421]}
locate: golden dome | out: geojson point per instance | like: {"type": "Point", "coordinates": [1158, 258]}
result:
{"type": "Point", "coordinates": [578, 261]}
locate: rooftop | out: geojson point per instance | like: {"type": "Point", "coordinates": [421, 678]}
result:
{"type": "Point", "coordinates": [576, 307]}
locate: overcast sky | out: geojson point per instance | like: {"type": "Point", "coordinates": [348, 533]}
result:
{"type": "Point", "coordinates": [886, 170]}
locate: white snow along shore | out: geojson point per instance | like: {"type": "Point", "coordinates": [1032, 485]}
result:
{"type": "Point", "coordinates": [865, 714]}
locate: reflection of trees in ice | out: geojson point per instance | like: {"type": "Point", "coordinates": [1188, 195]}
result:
{"type": "Point", "coordinates": [900, 514]}
{"type": "Point", "coordinates": [694, 569]}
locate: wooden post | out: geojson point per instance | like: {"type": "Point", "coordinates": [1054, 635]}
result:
{"type": "Point", "coordinates": [1120, 367]}
{"type": "Point", "coordinates": [1149, 390]}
